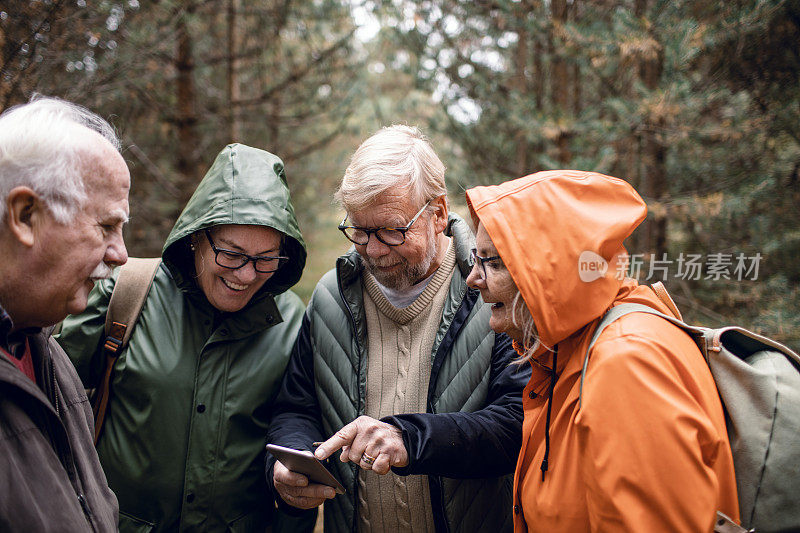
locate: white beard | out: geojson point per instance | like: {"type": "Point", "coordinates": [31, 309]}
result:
{"type": "Point", "coordinates": [408, 274]}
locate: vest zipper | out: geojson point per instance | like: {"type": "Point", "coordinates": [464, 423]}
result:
{"type": "Point", "coordinates": [354, 499]}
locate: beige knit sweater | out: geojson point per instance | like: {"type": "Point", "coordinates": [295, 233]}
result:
{"type": "Point", "coordinates": [398, 371]}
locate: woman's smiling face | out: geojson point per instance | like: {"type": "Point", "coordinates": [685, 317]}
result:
{"type": "Point", "coordinates": [226, 289]}
{"type": "Point", "coordinates": [497, 287]}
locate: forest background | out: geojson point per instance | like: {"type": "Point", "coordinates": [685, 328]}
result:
{"type": "Point", "coordinates": [696, 104]}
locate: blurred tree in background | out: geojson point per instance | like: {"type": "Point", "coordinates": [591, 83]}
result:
{"type": "Point", "coordinates": [696, 104]}
{"type": "Point", "coordinates": [181, 79]}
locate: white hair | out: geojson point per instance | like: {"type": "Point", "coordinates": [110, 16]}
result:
{"type": "Point", "coordinates": [395, 156]}
{"type": "Point", "coordinates": [41, 144]}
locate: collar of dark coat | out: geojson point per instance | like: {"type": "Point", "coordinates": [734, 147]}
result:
{"type": "Point", "coordinates": [46, 395]}
{"type": "Point", "coordinates": [11, 341]}
{"type": "Point", "coordinates": [11, 376]}
{"type": "Point", "coordinates": [463, 240]}
{"type": "Point", "coordinates": [350, 266]}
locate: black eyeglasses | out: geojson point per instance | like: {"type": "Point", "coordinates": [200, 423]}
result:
{"type": "Point", "coordinates": [264, 264]}
{"type": "Point", "coordinates": [478, 260]}
{"type": "Point", "coordinates": [388, 236]}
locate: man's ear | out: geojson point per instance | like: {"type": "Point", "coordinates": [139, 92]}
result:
{"type": "Point", "coordinates": [440, 213]}
{"type": "Point", "coordinates": [24, 210]}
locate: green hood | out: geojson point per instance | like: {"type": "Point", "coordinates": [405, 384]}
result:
{"type": "Point", "coordinates": [244, 186]}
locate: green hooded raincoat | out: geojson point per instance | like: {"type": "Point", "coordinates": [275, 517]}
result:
{"type": "Point", "coordinates": [183, 441]}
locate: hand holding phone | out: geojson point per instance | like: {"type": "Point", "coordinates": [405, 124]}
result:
{"type": "Point", "coordinates": [304, 462]}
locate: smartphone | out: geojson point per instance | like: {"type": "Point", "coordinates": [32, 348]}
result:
{"type": "Point", "coordinates": [304, 462]}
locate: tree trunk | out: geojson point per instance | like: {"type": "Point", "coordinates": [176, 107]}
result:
{"type": "Point", "coordinates": [576, 68]}
{"type": "Point", "coordinates": [521, 84]}
{"type": "Point", "coordinates": [5, 84]}
{"type": "Point", "coordinates": [273, 127]}
{"type": "Point", "coordinates": [626, 144]}
{"type": "Point", "coordinates": [654, 151]}
{"type": "Point", "coordinates": [560, 81]}
{"type": "Point", "coordinates": [188, 139]}
{"type": "Point", "coordinates": [540, 77]}
{"type": "Point", "coordinates": [234, 133]}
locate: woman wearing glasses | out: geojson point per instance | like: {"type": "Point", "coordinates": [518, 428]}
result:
{"type": "Point", "coordinates": [183, 440]}
{"type": "Point", "coordinates": [643, 447]}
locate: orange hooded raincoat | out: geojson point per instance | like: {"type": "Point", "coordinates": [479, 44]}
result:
{"type": "Point", "coordinates": [647, 450]}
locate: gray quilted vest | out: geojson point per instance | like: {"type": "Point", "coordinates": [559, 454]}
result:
{"type": "Point", "coordinates": [338, 333]}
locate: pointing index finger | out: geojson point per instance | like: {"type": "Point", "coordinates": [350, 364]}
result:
{"type": "Point", "coordinates": [343, 437]}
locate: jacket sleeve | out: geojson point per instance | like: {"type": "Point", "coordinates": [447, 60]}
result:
{"type": "Point", "coordinates": [478, 444]}
{"type": "Point", "coordinates": [295, 421]}
{"type": "Point", "coordinates": [82, 336]}
{"type": "Point", "coordinates": [650, 438]}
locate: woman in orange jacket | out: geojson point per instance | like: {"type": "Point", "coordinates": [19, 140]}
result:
{"type": "Point", "coordinates": [647, 449]}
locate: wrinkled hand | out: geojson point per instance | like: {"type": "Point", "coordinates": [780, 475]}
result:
{"type": "Point", "coordinates": [366, 438]}
{"type": "Point", "coordinates": [295, 489]}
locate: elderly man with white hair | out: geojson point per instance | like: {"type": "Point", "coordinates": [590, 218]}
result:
{"type": "Point", "coordinates": [396, 365]}
{"type": "Point", "coordinates": [64, 191]}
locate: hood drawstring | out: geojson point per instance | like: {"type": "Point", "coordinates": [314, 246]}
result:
{"type": "Point", "coordinates": [549, 408]}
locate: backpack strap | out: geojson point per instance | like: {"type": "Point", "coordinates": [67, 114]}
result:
{"type": "Point", "coordinates": [707, 340]}
{"type": "Point", "coordinates": [617, 312]}
{"type": "Point", "coordinates": [752, 342]}
{"type": "Point", "coordinates": [127, 299]}
{"type": "Point", "coordinates": [666, 299]}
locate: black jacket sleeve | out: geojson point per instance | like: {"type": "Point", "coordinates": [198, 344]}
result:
{"type": "Point", "coordinates": [295, 412]}
{"type": "Point", "coordinates": [478, 444]}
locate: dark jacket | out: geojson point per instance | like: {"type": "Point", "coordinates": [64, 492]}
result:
{"type": "Point", "coordinates": [468, 440]}
{"type": "Point", "coordinates": [183, 442]}
{"type": "Point", "coordinates": [51, 477]}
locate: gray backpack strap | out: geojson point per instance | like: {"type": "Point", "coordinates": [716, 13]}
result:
{"type": "Point", "coordinates": [618, 312]}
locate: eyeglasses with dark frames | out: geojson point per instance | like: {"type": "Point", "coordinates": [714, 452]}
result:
{"type": "Point", "coordinates": [388, 236]}
{"type": "Point", "coordinates": [481, 262]}
{"type": "Point", "coordinates": [264, 264]}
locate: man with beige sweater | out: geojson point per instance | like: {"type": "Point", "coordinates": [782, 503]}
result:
{"type": "Point", "coordinates": [396, 365]}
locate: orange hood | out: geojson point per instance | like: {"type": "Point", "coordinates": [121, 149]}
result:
{"type": "Point", "coordinates": [560, 235]}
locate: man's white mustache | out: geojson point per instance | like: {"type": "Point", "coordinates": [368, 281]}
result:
{"type": "Point", "coordinates": [101, 271]}
{"type": "Point", "coordinates": [373, 262]}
